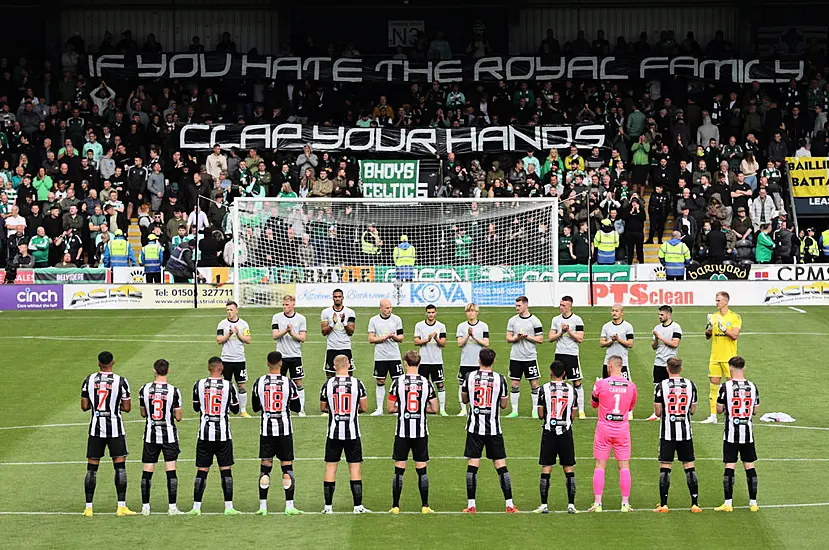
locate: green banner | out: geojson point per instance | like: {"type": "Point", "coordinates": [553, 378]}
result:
{"type": "Point", "coordinates": [390, 179]}
{"type": "Point", "coordinates": [499, 273]}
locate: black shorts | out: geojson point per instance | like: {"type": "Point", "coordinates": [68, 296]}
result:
{"type": "Point", "coordinates": [433, 372]}
{"type": "Point", "coordinates": [572, 366]}
{"type": "Point", "coordinates": [331, 354]}
{"type": "Point", "coordinates": [292, 366]}
{"type": "Point", "coordinates": [494, 445]}
{"type": "Point", "coordinates": [206, 450]}
{"type": "Point", "coordinates": [235, 369]}
{"type": "Point", "coordinates": [390, 368]}
{"type": "Point", "coordinates": [279, 446]}
{"type": "Point", "coordinates": [96, 446]}
{"type": "Point", "coordinates": [527, 369]}
{"type": "Point", "coordinates": [625, 372]}
{"type": "Point", "coordinates": [153, 450]}
{"type": "Point", "coordinates": [334, 450]}
{"type": "Point", "coordinates": [419, 446]}
{"type": "Point", "coordinates": [659, 374]}
{"type": "Point", "coordinates": [560, 446]}
{"type": "Point", "coordinates": [463, 371]}
{"type": "Point", "coordinates": [684, 451]}
{"type": "Point", "coordinates": [746, 452]}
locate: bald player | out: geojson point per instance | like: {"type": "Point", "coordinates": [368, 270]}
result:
{"type": "Point", "coordinates": [385, 332]}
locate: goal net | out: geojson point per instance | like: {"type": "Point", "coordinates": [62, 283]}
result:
{"type": "Point", "coordinates": [284, 242]}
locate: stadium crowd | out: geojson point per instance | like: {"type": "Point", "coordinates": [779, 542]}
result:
{"type": "Point", "coordinates": [81, 158]}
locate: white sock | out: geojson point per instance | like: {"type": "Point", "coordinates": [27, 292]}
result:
{"type": "Point", "coordinates": [243, 401]}
{"type": "Point", "coordinates": [328, 507]}
{"type": "Point", "coordinates": [197, 506]}
{"type": "Point", "coordinates": [380, 396]}
{"type": "Point", "coordinates": [509, 502]}
{"type": "Point", "coordinates": [228, 504]}
{"type": "Point", "coordinates": [534, 397]}
{"type": "Point", "coordinates": [173, 507]}
{"type": "Point", "coordinates": [514, 396]}
{"type": "Point", "coordinates": [301, 394]}
{"type": "Point", "coordinates": [442, 400]}
{"type": "Point", "coordinates": [470, 503]}
{"type": "Point", "coordinates": [752, 503]}
{"type": "Point", "coordinates": [460, 398]}
{"type": "Point", "coordinates": [263, 504]}
{"type": "Point", "coordinates": [145, 506]}
{"type": "Point", "coordinates": [728, 502]}
{"type": "Point", "coordinates": [289, 504]}
{"type": "Point", "coordinates": [122, 504]}
{"type": "Point", "coordinates": [580, 397]}
{"type": "Point", "coordinates": [89, 505]}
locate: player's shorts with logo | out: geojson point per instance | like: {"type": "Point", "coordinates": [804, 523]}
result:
{"type": "Point", "coordinates": [684, 451]}
{"type": "Point", "coordinates": [572, 366]}
{"type": "Point", "coordinates": [235, 369]}
{"type": "Point", "coordinates": [153, 450]}
{"type": "Point", "coordinates": [97, 446]}
{"type": "Point", "coordinates": [433, 372]}
{"type": "Point", "coordinates": [390, 368]}
{"type": "Point", "coordinates": [419, 447]}
{"type": "Point", "coordinates": [745, 451]}
{"type": "Point", "coordinates": [607, 438]}
{"type": "Point", "coordinates": [279, 446]}
{"type": "Point", "coordinates": [719, 369]}
{"type": "Point", "coordinates": [331, 354]}
{"type": "Point", "coordinates": [560, 446]}
{"type": "Point", "coordinates": [527, 369]}
{"type": "Point", "coordinates": [463, 371]}
{"type": "Point", "coordinates": [206, 450]}
{"type": "Point", "coordinates": [292, 366]}
{"type": "Point", "coordinates": [494, 445]}
{"type": "Point", "coordinates": [334, 450]}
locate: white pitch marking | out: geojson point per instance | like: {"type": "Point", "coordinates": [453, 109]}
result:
{"type": "Point", "coordinates": [797, 309]}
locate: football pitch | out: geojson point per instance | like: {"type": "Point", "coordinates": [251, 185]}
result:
{"type": "Point", "coordinates": [43, 442]}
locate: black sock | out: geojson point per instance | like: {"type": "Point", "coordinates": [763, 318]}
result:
{"type": "Point", "coordinates": [198, 485]}
{"type": "Point", "coordinates": [397, 486]}
{"type": "Point", "coordinates": [423, 485]}
{"type": "Point", "coordinates": [728, 483]}
{"type": "Point", "coordinates": [121, 481]}
{"type": "Point", "coordinates": [664, 485]}
{"type": "Point", "coordinates": [544, 487]}
{"type": "Point", "coordinates": [172, 487]}
{"type": "Point", "coordinates": [570, 482]}
{"type": "Point", "coordinates": [289, 492]}
{"type": "Point", "coordinates": [328, 491]}
{"type": "Point", "coordinates": [693, 485]}
{"type": "Point", "coordinates": [751, 479]}
{"type": "Point", "coordinates": [357, 492]}
{"type": "Point", "coordinates": [264, 471]}
{"type": "Point", "coordinates": [89, 482]}
{"type": "Point", "coordinates": [506, 484]}
{"type": "Point", "coordinates": [146, 486]}
{"type": "Point", "coordinates": [227, 484]}
{"type": "Point", "coordinates": [471, 481]}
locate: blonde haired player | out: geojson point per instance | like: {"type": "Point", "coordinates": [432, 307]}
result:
{"type": "Point", "coordinates": [473, 336]}
{"type": "Point", "coordinates": [723, 329]}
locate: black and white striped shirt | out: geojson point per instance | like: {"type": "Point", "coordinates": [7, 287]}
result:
{"type": "Point", "coordinates": [739, 397]}
{"type": "Point", "coordinates": [159, 401]}
{"type": "Point", "coordinates": [676, 395]}
{"type": "Point", "coordinates": [485, 389]}
{"type": "Point", "coordinates": [412, 393]}
{"type": "Point", "coordinates": [105, 391]}
{"type": "Point", "coordinates": [214, 399]}
{"type": "Point", "coordinates": [557, 401]}
{"type": "Point", "coordinates": [343, 395]}
{"type": "Point", "coordinates": [271, 395]}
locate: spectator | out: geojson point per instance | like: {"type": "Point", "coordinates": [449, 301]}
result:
{"type": "Point", "coordinates": [742, 227]}
{"type": "Point", "coordinates": [566, 256]}
{"type": "Point", "coordinates": [659, 207]}
{"type": "Point", "coordinates": [307, 159]}
{"type": "Point", "coordinates": [674, 255]}
{"type": "Point", "coordinates": [322, 187]}
{"type": "Point", "coordinates": [763, 210]}
{"type": "Point", "coordinates": [581, 245]}
{"type": "Point", "coordinates": [765, 245]}
{"type": "Point", "coordinates": [605, 243]}
{"type": "Point", "coordinates": [634, 233]}
{"type": "Point", "coordinates": [749, 167]}
{"type": "Point", "coordinates": [39, 247]}
{"type": "Point", "coordinates": [216, 163]}
{"type": "Point", "coordinates": [785, 244]}
{"type": "Point", "coordinates": [716, 243]}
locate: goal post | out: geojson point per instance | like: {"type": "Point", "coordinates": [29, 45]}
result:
{"type": "Point", "coordinates": [284, 243]}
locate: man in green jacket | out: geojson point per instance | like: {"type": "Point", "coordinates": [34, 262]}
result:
{"type": "Point", "coordinates": [641, 161]}
{"type": "Point", "coordinates": [765, 245]}
{"type": "Point", "coordinates": [39, 247]}
{"type": "Point", "coordinates": [42, 184]}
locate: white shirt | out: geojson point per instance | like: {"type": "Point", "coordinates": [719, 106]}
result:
{"type": "Point", "coordinates": [470, 350]}
{"type": "Point", "coordinates": [338, 339]}
{"type": "Point", "coordinates": [623, 330]}
{"type": "Point", "coordinates": [524, 350]}
{"type": "Point", "coordinates": [203, 223]}
{"type": "Point", "coordinates": [388, 350]}
{"type": "Point", "coordinates": [431, 353]}
{"type": "Point", "coordinates": [233, 349]}
{"type": "Point", "coordinates": [14, 220]}
{"type": "Point", "coordinates": [565, 345]}
{"type": "Point", "coordinates": [286, 344]}
{"type": "Point", "coordinates": [663, 352]}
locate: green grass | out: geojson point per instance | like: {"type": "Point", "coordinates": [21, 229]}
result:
{"type": "Point", "coordinates": [47, 355]}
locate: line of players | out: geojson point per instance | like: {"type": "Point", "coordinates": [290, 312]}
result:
{"type": "Point", "coordinates": [344, 397]}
